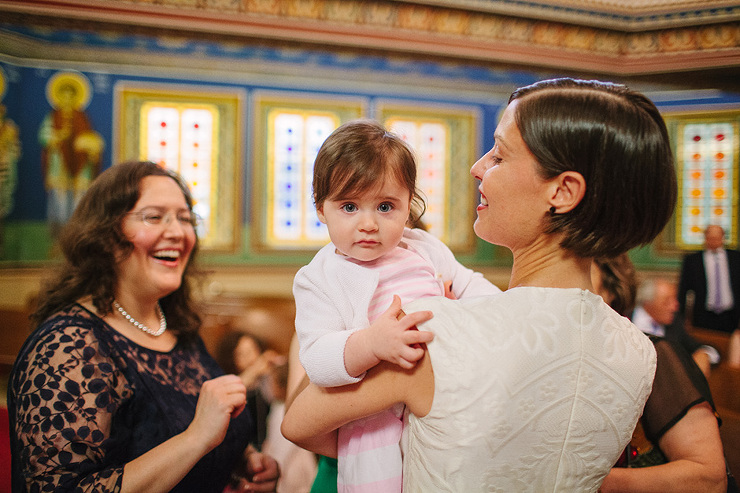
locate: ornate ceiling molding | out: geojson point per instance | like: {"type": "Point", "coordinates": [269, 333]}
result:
{"type": "Point", "coordinates": [599, 36]}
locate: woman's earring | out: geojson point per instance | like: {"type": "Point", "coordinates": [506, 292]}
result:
{"type": "Point", "coordinates": [552, 210]}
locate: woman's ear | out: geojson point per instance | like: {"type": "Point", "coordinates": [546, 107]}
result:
{"type": "Point", "coordinates": [568, 189]}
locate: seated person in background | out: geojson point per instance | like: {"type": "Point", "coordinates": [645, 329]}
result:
{"type": "Point", "coordinates": [685, 453]}
{"type": "Point", "coordinates": [657, 314]}
{"type": "Point", "coordinates": [247, 356]}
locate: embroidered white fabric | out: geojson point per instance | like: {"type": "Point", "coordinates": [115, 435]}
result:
{"type": "Point", "coordinates": [536, 389]}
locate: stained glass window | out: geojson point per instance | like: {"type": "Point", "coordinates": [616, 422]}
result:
{"type": "Point", "coordinates": [181, 138]}
{"type": "Point", "coordinates": [706, 152]}
{"type": "Point", "coordinates": [289, 131]}
{"type": "Point", "coordinates": [429, 140]}
{"type": "Point", "coordinates": [444, 142]}
{"type": "Point", "coordinates": [293, 135]}
{"type": "Point", "coordinates": [198, 135]}
{"type": "Point", "coordinates": [295, 140]}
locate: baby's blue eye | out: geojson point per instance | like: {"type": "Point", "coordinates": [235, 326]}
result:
{"type": "Point", "coordinates": [385, 207]}
{"type": "Point", "coordinates": [349, 207]}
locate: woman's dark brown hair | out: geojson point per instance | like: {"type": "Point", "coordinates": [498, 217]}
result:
{"type": "Point", "coordinates": [359, 156]}
{"type": "Point", "coordinates": [617, 140]}
{"type": "Point", "coordinates": [92, 239]}
{"type": "Point", "coordinates": [619, 281]}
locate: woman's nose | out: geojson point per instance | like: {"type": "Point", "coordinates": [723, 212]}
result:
{"type": "Point", "coordinates": [173, 227]}
{"type": "Point", "coordinates": [475, 170]}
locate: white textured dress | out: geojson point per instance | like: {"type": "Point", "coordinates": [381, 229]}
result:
{"type": "Point", "coordinates": [536, 389]}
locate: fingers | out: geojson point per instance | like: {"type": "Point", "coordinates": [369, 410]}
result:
{"type": "Point", "coordinates": [411, 337]}
{"type": "Point", "coordinates": [416, 318]}
{"type": "Point", "coordinates": [228, 390]}
{"type": "Point", "coordinates": [394, 311]}
{"type": "Point", "coordinates": [255, 463]}
{"type": "Point", "coordinates": [220, 399]}
{"type": "Point", "coordinates": [264, 472]}
{"type": "Point", "coordinates": [409, 357]}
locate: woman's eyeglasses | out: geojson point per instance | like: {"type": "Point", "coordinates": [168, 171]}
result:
{"type": "Point", "coordinates": [157, 218]}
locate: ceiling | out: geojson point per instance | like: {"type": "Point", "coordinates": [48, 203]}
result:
{"type": "Point", "coordinates": [627, 38]}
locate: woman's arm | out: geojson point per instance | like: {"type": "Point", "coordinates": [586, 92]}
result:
{"type": "Point", "coordinates": [162, 467]}
{"type": "Point", "coordinates": [316, 412]}
{"type": "Point", "coordinates": [323, 444]}
{"type": "Point", "coordinates": [696, 460]}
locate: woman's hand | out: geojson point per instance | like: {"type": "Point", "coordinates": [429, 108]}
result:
{"type": "Point", "coordinates": [220, 400]}
{"type": "Point", "coordinates": [261, 473]}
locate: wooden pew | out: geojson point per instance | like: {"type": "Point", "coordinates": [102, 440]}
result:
{"type": "Point", "coordinates": [14, 329]}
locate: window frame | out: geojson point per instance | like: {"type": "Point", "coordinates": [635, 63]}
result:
{"type": "Point", "coordinates": [263, 104]}
{"type": "Point", "coordinates": [225, 201]}
{"type": "Point", "coordinates": [464, 123]}
{"type": "Point", "coordinates": [669, 241]}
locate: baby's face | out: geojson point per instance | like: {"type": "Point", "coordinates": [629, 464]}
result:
{"type": "Point", "coordinates": [366, 226]}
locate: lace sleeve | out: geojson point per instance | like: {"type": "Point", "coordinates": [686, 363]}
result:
{"type": "Point", "coordinates": [66, 392]}
{"type": "Point", "coordinates": [678, 386]}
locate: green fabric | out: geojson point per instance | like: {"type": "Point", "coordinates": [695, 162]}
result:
{"type": "Point", "coordinates": [326, 476]}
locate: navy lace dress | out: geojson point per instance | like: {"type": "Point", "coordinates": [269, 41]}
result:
{"type": "Point", "coordinates": [84, 400]}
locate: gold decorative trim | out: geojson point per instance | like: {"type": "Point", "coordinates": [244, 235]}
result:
{"type": "Point", "coordinates": [442, 28]}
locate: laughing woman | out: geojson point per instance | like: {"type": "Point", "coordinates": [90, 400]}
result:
{"type": "Point", "coordinates": [114, 390]}
{"type": "Point", "coordinates": [537, 388]}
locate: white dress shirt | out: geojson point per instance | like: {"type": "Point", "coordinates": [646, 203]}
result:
{"type": "Point", "coordinates": [715, 264]}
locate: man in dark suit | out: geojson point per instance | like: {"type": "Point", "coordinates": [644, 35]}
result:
{"type": "Point", "coordinates": [656, 313]}
{"type": "Point", "coordinates": [713, 275]}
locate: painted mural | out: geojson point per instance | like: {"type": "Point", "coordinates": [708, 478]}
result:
{"type": "Point", "coordinates": [10, 153]}
{"type": "Point", "coordinates": [71, 148]}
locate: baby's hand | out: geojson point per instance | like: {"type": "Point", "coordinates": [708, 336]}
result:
{"type": "Point", "coordinates": [391, 339]}
{"type": "Point", "coordinates": [387, 339]}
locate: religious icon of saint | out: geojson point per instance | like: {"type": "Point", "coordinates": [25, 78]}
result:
{"type": "Point", "coordinates": [71, 153]}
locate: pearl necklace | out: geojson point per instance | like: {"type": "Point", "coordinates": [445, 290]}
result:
{"type": "Point", "coordinates": [139, 325]}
